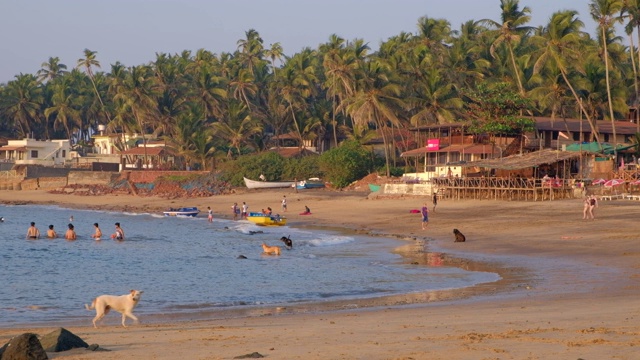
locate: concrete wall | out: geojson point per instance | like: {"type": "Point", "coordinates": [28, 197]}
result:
{"type": "Point", "coordinates": [43, 183]}
{"type": "Point", "coordinates": [408, 189]}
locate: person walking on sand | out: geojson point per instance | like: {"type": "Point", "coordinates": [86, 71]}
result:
{"type": "Point", "coordinates": [586, 205]}
{"type": "Point", "coordinates": [119, 234]}
{"type": "Point", "coordinates": [210, 214]}
{"type": "Point", "coordinates": [593, 203]}
{"type": "Point", "coordinates": [98, 234]}
{"type": "Point", "coordinates": [284, 203]}
{"type": "Point", "coordinates": [425, 216]}
{"type": "Point", "coordinates": [33, 232]}
{"type": "Point", "coordinates": [51, 234]}
{"type": "Point", "coordinates": [71, 233]}
{"type": "Point", "coordinates": [435, 201]}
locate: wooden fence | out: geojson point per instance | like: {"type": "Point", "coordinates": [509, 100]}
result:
{"type": "Point", "coordinates": [504, 188]}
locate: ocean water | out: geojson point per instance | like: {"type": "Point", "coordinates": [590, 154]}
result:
{"type": "Point", "coordinates": [190, 265]}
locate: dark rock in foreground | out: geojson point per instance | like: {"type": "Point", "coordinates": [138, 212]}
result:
{"type": "Point", "coordinates": [253, 355]}
{"type": "Point", "coordinates": [61, 339]}
{"type": "Point", "coordinates": [23, 347]}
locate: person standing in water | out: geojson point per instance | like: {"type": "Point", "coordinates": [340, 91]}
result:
{"type": "Point", "coordinates": [33, 232]}
{"type": "Point", "coordinates": [209, 214]}
{"type": "Point", "coordinates": [98, 234]}
{"type": "Point", "coordinates": [71, 233]}
{"type": "Point", "coordinates": [119, 234]}
{"type": "Point", "coordinates": [51, 234]}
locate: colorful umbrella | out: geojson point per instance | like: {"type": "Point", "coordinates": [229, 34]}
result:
{"type": "Point", "coordinates": [635, 182]}
{"type": "Point", "coordinates": [599, 181]}
{"type": "Point", "coordinates": [614, 182]}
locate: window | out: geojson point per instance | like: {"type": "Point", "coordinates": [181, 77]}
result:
{"type": "Point", "coordinates": [34, 154]}
{"type": "Point", "coordinates": [64, 154]}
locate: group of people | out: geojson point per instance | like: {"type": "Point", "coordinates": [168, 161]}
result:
{"type": "Point", "coordinates": [33, 232]}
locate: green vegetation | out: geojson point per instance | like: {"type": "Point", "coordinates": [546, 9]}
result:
{"type": "Point", "coordinates": [216, 107]}
{"type": "Point", "coordinates": [346, 163]}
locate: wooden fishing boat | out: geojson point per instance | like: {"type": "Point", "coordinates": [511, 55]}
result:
{"type": "Point", "coordinates": [185, 211]}
{"type": "Point", "coordinates": [312, 183]}
{"type": "Point", "coordinates": [266, 220]}
{"type": "Point", "coordinates": [254, 184]}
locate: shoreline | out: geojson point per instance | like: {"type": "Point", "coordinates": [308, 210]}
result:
{"type": "Point", "coordinates": [527, 243]}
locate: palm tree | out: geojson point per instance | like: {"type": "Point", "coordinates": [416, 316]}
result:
{"type": "Point", "coordinates": [251, 50]}
{"type": "Point", "coordinates": [631, 11]}
{"type": "Point", "coordinates": [376, 102]}
{"type": "Point", "coordinates": [237, 127]}
{"type": "Point", "coordinates": [510, 31]}
{"type": "Point", "coordinates": [603, 12]}
{"type": "Point", "coordinates": [559, 47]}
{"type": "Point", "coordinates": [88, 62]}
{"type": "Point", "coordinates": [339, 66]}
{"type": "Point", "coordinates": [22, 101]}
{"type": "Point", "coordinates": [51, 69]}
{"type": "Point", "coordinates": [137, 94]}
{"type": "Point", "coordinates": [65, 110]}
{"type": "Point", "coordinates": [274, 53]}
{"type": "Point", "coordinates": [209, 90]}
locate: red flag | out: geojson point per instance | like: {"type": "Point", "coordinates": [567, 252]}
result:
{"type": "Point", "coordinates": [560, 133]}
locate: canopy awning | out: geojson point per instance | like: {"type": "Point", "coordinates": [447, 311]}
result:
{"type": "Point", "coordinates": [12, 148]}
{"type": "Point", "coordinates": [467, 149]}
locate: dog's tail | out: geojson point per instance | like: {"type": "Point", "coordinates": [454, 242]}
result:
{"type": "Point", "coordinates": [93, 305]}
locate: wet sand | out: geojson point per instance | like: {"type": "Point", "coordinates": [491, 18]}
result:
{"type": "Point", "coordinates": [570, 287]}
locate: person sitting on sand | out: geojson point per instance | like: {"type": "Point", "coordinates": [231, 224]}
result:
{"type": "Point", "coordinates": [307, 210]}
{"type": "Point", "coordinates": [71, 233]}
{"type": "Point", "coordinates": [33, 232]}
{"type": "Point", "coordinates": [51, 234]}
{"type": "Point", "coordinates": [119, 234]}
{"type": "Point", "coordinates": [98, 234]}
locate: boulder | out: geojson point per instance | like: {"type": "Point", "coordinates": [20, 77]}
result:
{"type": "Point", "coordinates": [23, 347]}
{"type": "Point", "coordinates": [253, 355]}
{"type": "Point", "coordinates": [61, 339]}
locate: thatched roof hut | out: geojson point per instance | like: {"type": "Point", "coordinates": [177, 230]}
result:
{"type": "Point", "coordinates": [527, 160]}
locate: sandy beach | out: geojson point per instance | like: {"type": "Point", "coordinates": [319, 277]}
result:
{"type": "Point", "coordinates": [570, 287]}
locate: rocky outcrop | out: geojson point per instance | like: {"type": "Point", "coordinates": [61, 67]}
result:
{"type": "Point", "coordinates": [61, 339]}
{"type": "Point", "coordinates": [23, 347]}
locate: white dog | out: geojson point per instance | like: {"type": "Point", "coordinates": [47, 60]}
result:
{"type": "Point", "coordinates": [123, 304]}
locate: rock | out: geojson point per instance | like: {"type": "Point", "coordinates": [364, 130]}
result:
{"type": "Point", "coordinates": [23, 347]}
{"type": "Point", "coordinates": [253, 355]}
{"type": "Point", "coordinates": [96, 347]}
{"type": "Point", "coordinates": [61, 339]}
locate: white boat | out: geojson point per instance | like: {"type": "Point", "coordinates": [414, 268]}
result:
{"type": "Point", "coordinates": [186, 211]}
{"type": "Point", "coordinates": [254, 184]}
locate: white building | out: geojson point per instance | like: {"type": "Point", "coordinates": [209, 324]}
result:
{"type": "Point", "coordinates": [36, 152]}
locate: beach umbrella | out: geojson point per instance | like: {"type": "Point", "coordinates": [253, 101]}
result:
{"type": "Point", "coordinates": [599, 181]}
{"type": "Point", "coordinates": [614, 182]}
{"type": "Point", "coordinates": [635, 182]}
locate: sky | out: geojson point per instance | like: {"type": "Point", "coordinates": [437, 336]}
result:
{"type": "Point", "coordinates": [133, 31]}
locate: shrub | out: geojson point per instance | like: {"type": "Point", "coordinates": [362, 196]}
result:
{"type": "Point", "coordinates": [346, 163]}
{"type": "Point", "coordinates": [302, 168]}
